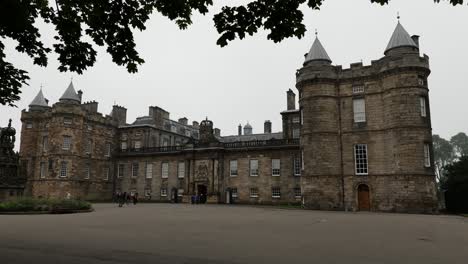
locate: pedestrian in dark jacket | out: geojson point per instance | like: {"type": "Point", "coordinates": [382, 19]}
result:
{"type": "Point", "coordinates": [135, 198]}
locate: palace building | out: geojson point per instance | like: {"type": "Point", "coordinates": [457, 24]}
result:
{"type": "Point", "coordinates": [360, 139]}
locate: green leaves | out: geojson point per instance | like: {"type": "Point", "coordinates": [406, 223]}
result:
{"type": "Point", "coordinates": [111, 23]}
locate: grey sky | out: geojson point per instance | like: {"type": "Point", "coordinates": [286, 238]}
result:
{"type": "Point", "coordinates": [188, 75]}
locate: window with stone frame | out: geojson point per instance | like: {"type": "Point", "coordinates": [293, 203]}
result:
{"type": "Point", "coordinates": [276, 192]}
{"type": "Point", "coordinates": [149, 170]}
{"type": "Point", "coordinates": [296, 119]}
{"type": "Point", "coordinates": [137, 145]}
{"type": "Point", "coordinates": [87, 171]}
{"type": "Point", "coordinates": [29, 125]}
{"type": "Point", "coordinates": [358, 89]}
{"type": "Point", "coordinates": [427, 156]}
{"type": "Point", "coordinates": [234, 192]}
{"type": "Point", "coordinates": [422, 105]}
{"type": "Point", "coordinates": [297, 192]}
{"type": "Point", "coordinates": [45, 143]}
{"type": "Point", "coordinates": [63, 169]}
{"type": "Point", "coordinates": [253, 164]}
{"type": "Point", "coordinates": [108, 150]}
{"type": "Point", "coordinates": [123, 145]}
{"type": "Point", "coordinates": [359, 110]}
{"type": "Point", "coordinates": [297, 166]}
{"type": "Point", "coordinates": [165, 170]}
{"type": "Point", "coordinates": [253, 192]}
{"type": "Point", "coordinates": [121, 170]}
{"type": "Point", "coordinates": [180, 192]}
{"type": "Point", "coordinates": [106, 173]}
{"type": "Point", "coordinates": [67, 120]}
{"type": "Point", "coordinates": [275, 167]}
{"type": "Point", "coordinates": [296, 133]}
{"type": "Point", "coordinates": [181, 170]}
{"type": "Point", "coordinates": [148, 192]}
{"type": "Point", "coordinates": [66, 143]}
{"type": "Point", "coordinates": [164, 192]}
{"type": "Point", "coordinates": [135, 167]}
{"type": "Point", "coordinates": [233, 168]}
{"type": "Point", "coordinates": [43, 170]}
{"type": "Point", "coordinates": [88, 146]}
{"type": "Point", "coordinates": [361, 159]}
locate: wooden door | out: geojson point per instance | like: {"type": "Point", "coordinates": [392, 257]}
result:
{"type": "Point", "coordinates": [363, 198]}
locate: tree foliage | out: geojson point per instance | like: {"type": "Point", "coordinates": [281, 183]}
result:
{"type": "Point", "coordinates": [456, 186]}
{"type": "Point", "coordinates": [443, 155]}
{"type": "Point", "coordinates": [111, 23]}
{"type": "Point", "coordinates": [460, 143]}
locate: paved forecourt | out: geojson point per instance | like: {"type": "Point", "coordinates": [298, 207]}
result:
{"type": "Point", "coordinates": [181, 233]}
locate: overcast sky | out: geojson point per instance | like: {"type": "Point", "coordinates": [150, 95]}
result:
{"type": "Point", "coordinates": [188, 75]}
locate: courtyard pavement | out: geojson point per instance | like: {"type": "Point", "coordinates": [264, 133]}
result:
{"type": "Point", "coordinates": [182, 233]}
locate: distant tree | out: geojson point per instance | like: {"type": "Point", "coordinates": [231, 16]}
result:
{"type": "Point", "coordinates": [111, 23]}
{"type": "Point", "coordinates": [443, 155]}
{"type": "Point", "coordinates": [456, 186]}
{"type": "Point", "coordinates": [460, 143]}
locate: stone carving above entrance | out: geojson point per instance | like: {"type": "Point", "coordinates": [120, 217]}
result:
{"type": "Point", "coordinates": [202, 172]}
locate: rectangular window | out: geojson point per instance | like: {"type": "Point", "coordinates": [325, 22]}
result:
{"type": "Point", "coordinates": [276, 192]}
{"type": "Point", "coordinates": [66, 143]}
{"type": "Point", "coordinates": [253, 192]}
{"type": "Point", "coordinates": [360, 159]}
{"type": "Point", "coordinates": [422, 103]}
{"type": "Point", "coordinates": [108, 150]}
{"type": "Point", "coordinates": [43, 170]}
{"type": "Point", "coordinates": [165, 170]}
{"type": "Point", "coordinates": [296, 133]}
{"type": "Point", "coordinates": [67, 120]}
{"type": "Point", "coordinates": [88, 146]}
{"type": "Point", "coordinates": [427, 156]}
{"type": "Point", "coordinates": [87, 171]}
{"type": "Point", "coordinates": [302, 116]}
{"type": "Point", "coordinates": [163, 192]}
{"type": "Point", "coordinates": [148, 192]}
{"type": "Point", "coordinates": [180, 192]}
{"type": "Point", "coordinates": [149, 170]}
{"type": "Point", "coordinates": [297, 192]}
{"type": "Point", "coordinates": [253, 167]}
{"type": "Point", "coordinates": [29, 125]}
{"type": "Point", "coordinates": [358, 89]}
{"type": "Point", "coordinates": [234, 192]}
{"type": "Point", "coordinates": [137, 145]}
{"type": "Point", "coordinates": [121, 171]}
{"type": "Point", "coordinates": [135, 168]}
{"type": "Point", "coordinates": [296, 119]}
{"type": "Point", "coordinates": [106, 173]}
{"type": "Point", "coordinates": [45, 143]}
{"type": "Point", "coordinates": [297, 166]}
{"type": "Point", "coordinates": [275, 167]}
{"type": "Point", "coordinates": [359, 108]}
{"type": "Point", "coordinates": [233, 168]}
{"type": "Point", "coordinates": [181, 170]}
{"type": "Point", "coordinates": [63, 169]}
{"type": "Point", "coordinates": [123, 145]}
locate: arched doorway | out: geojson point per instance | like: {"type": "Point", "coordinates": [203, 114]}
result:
{"type": "Point", "coordinates": [363, 198]}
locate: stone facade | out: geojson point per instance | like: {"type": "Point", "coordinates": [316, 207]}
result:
{"type": "Point", "coordinates": [360, 140]}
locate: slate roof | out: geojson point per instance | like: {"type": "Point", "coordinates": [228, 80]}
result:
{"type": "Point", "coordinates": [70, 94]}
{"type": "Point", "coordinates": [400, 38]}
{"type": "Point", "coordinates": [317, 52]}
{"type": "Point", "coordinates": [39, 100]}
{"type": "Point", "coordinates": [252, 137]}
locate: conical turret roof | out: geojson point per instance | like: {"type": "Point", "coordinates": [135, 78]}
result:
{"type": "Point", "coordinates": [317, 52]}
{"type": "Point", "coordinates": [39, 100]}
{"type": "Point", "coordinates": [70, 93]}
{"type": "Point", "coordinates": [400, 38]}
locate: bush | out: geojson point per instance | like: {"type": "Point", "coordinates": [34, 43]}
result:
{"type": "Point", "coordinates": [31, 204]}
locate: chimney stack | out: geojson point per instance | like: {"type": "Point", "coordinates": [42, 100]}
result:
{"type": "Point", "coordinates": [80, 95]}
{"type": "Point", "coordinates": [239, 130]}
{"type": "Point", "coordinates": [217, 132]}
{"type": "Point", "coordinates": [267, 127]}
{"type": "Point", "coordinates": [291, 96]}
{"type": "Point", "coordinates": [416, 39]}
{"type": "Point", "coordinates": [195, 124]}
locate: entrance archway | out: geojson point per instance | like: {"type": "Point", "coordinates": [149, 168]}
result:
{"type": "Point", "coordinates": [202, 191]}
{"type": "Point", "coordinates": [363, 197]}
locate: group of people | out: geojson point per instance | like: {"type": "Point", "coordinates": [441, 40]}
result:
{"type": "Point", "coordinates": [198, 199]}
{"type": "Point", "coordinates": [126, 198]}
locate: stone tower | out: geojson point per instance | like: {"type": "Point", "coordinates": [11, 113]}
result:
{"type": "Point", "coordinates": [366, 131]}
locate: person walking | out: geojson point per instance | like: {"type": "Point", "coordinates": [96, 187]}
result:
{"type": "Point", "coordinates": [120, 199]}
{"type": "Point", "coordinates": [135, 198]}
{"type": "Point", "coordinates": [127, 199]}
